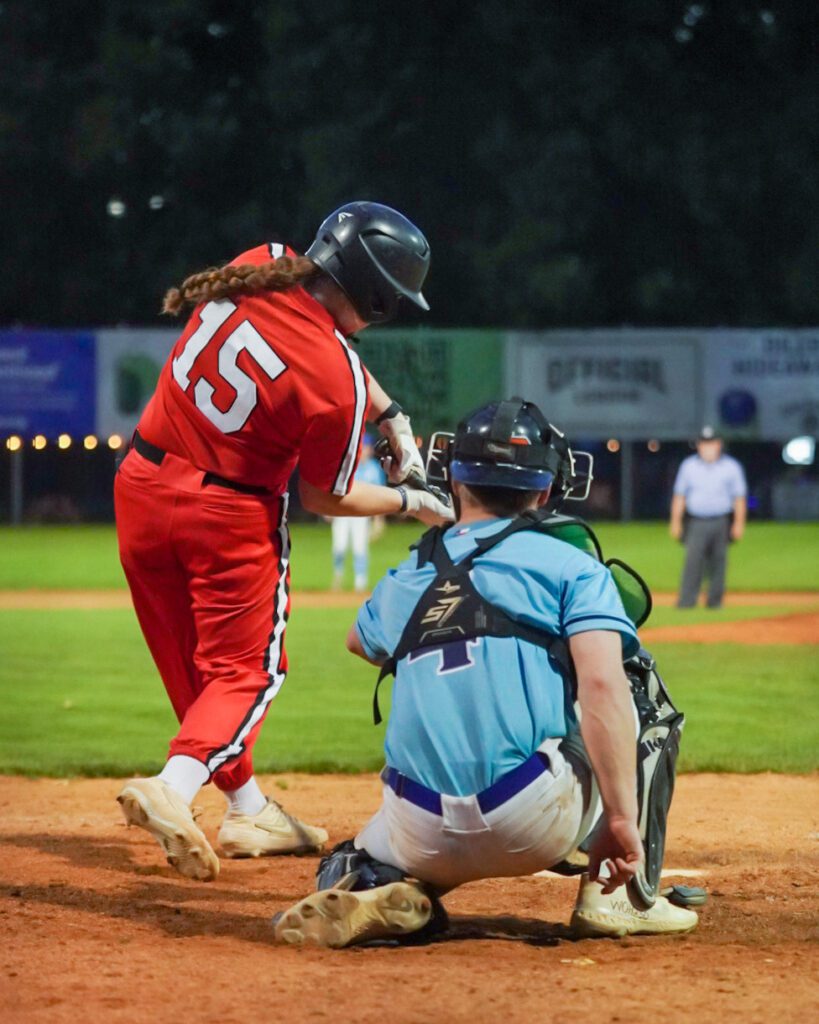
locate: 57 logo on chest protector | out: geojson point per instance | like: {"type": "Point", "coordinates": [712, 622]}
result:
{"type": "Point", "coordinates": [444, 606]}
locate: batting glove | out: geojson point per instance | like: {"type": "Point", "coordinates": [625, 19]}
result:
{"type": "Point", "coordinates": [425, 506]}
{"type": "Point", "coordinates": [405, 461]}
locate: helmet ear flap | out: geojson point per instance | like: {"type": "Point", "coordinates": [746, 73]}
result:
{"type": "Point", "coordinates": [382, 304]}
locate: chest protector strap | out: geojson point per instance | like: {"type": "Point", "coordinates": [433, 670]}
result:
{"type": "Point", "coordinates": [452, 611]}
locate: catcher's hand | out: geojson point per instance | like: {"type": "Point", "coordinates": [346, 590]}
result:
{"type": "Point", "coordinates": [617, 847]}
{"type": "Point", "coordinates": [403, 458]}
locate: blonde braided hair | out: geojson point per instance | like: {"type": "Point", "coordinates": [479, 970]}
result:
{"type": "Point", "coordinates": [245, 279]}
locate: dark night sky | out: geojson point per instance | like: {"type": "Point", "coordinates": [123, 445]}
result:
{"type": "Point", "coordinates": [571, 162]}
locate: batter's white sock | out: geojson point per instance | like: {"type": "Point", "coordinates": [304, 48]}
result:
{"type": "Point", "coordinates": [247, 799]}
{"type": "Point", "coordinates": [185, 775]}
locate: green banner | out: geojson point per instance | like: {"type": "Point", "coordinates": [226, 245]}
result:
{"type": "Point", "coordinates": [436, 375]}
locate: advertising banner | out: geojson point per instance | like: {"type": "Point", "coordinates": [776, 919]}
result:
{"type": "Point", "coordinates": [623, 383]}
{"type": "Point", "coordinates": [763, 384]}
{"type": "Point", "coordinates": [47, 382]}
{"type": "Point", "coordinates": [631, 384]}
{"type": "Point", "coordinates": [437, 375]}
{"type": "Point", "coordinates": [128, 365]}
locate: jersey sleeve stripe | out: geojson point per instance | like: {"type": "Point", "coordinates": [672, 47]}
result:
{"type": "Point", "coordinates": [347, 465]}
{"type": "Point", "coordinates": [598, 615]}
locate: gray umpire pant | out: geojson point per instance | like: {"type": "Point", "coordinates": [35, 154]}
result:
{"type": "Point", "coordinates": [706, 554]}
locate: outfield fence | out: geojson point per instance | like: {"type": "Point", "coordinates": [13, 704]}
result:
{"type": "Point", "coordinates": [70, 399]}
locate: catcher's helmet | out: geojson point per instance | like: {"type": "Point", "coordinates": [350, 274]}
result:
{"type": "Point", "coordinates": [375, 255]}
{"type": "Point", "coordinates": [509, 444]}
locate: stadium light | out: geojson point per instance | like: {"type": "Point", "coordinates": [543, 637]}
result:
{"type": "Point", "coordinates": [90, 443]}
{"type": "Point", "coordinates": [799, 451]}
{"type": "Point", "coordinates": [115, 207]}
{"type": "Point", "coordinates": [653, 446]}
{"type": "Point", "coordinates": [39, 442]}
{"type": "Point", "coordinates": [114, 442]}
{"type": "Point", "coordinates": [64, 441]}
{"type": "Point", "coordinates": [14, 443]}
{"type": "Point", "coordinates": [613, 444]}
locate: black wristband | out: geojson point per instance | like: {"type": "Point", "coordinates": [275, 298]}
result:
{"type": "Point", "coordinates": [393, 409]}
{"type": "Point", "coordinates": [403, 492]}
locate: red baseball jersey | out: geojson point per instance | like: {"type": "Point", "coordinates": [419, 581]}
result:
{"type": "Point", "coordinates": [258, 383]}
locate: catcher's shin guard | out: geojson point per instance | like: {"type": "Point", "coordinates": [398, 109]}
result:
{"type": "Point", "coordinates": [657, 748]}
{"type": "Point", "coordinates": [658, 744]}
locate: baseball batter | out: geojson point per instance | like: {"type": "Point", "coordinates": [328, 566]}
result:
{"type": "Point", "coordinates": [489, 627]}
{"type": "Point", "coordinates": [262, 380]}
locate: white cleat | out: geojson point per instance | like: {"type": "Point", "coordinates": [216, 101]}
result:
{"type": "Point", "coordinates": [154, 806]}
{"type": "Point", "coordinates": [336, 918]}
{"type": "Point", "coordinates": [271, 831]}
{"type": "Point", "coordinates": [617, 915]}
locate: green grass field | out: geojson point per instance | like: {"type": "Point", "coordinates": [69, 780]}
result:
{"type": "Point", "coordinates": [773, 556]}
{"type": "Point", "coordinates": [81, 695]}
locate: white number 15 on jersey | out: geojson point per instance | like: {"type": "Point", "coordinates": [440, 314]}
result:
{"type": "Point", "coordinates": [245, 338]}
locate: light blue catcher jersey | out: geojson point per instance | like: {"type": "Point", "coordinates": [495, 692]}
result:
{"type": "Point", "coordinates": [465, 714]}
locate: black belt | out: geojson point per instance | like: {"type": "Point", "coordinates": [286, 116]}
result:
{"type": "Point", "coordinates": [493, 796]}
{"type": "Point", "coordinates": [156, 455]}
{"type": "Point", "coordinates": [146, 449]}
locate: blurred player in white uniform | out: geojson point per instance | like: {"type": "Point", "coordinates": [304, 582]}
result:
{"type": "Point", "coordinates": [354, 532]}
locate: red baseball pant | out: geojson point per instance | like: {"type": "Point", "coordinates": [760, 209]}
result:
{"type": "Point", "coordinates": [209, 574]}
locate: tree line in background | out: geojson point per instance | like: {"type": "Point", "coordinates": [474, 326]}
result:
{"type": "Point", "coordinates": [572, 162]}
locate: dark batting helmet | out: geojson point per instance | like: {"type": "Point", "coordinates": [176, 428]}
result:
{"type": "Point", "coordinates": [510, 444]}
{"type": "Point", "coordinates": [375, 255]}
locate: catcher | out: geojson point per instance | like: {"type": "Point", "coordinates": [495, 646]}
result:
{"type": "Point", "coordinates": [503, 635]}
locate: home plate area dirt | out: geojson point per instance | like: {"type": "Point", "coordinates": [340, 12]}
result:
{"type": "Point", "coordinates": [97, 926]}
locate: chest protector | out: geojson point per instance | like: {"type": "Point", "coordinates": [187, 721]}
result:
{"type": "Point", "coordinates": [451, 610]}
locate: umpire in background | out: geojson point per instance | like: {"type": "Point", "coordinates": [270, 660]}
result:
{"type": "Point", "coordinates": [708, 510]}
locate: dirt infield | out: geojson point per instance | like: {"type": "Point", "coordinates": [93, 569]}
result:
{"type": "Point", "coordinates": [781, 629]}
{"type": "Point", "coordinates": [97, 927]}
{"type": "Point", "coordinates": [788, 628]}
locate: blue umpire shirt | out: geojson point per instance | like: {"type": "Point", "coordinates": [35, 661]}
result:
{"type": "Point", "coordinates": [465, 714]}
{"type": "Point", "coordinates": [710, 488]}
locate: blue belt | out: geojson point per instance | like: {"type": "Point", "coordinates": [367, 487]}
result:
{"type": "Point", "coordinates": [488, 799]}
